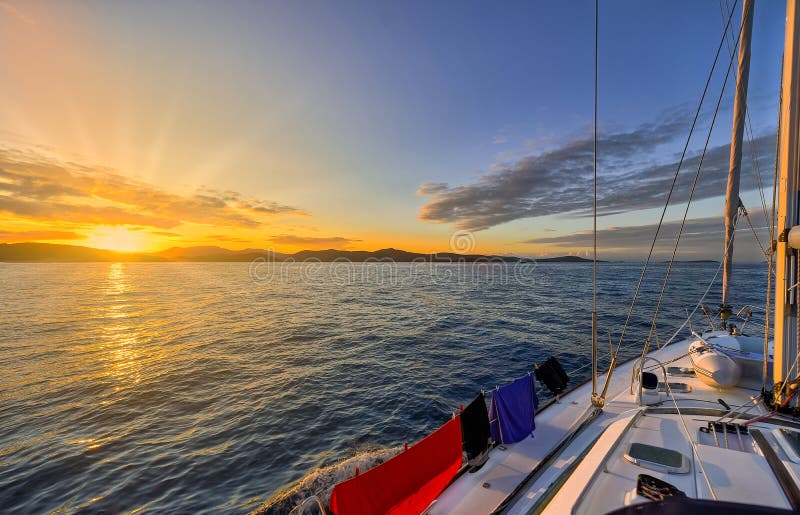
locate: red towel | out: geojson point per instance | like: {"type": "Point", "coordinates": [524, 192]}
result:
{"type": "Point", "coordinates": [408, 482]}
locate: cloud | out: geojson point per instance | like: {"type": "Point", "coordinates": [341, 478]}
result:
{"type": "Point", "coordinates": [37, 185]}
{"type": "Point", "coordinates": [312, 241]}
{"type": "Point", "coordinates": [11, 236]}
{"type": "Point", "coordinates": [56, 211]}
{"type": "Point", "coordinates": [559, 180]}
{"type": "Point", "coordinates": [166, 233]}
{"type": "Point", "coordinates": [253, 204]}
{"type": "Point", "coordinates": [702, 238]}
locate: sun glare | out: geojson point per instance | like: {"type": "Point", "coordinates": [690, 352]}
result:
{"type": "Point", "coordinates": [117, 238]}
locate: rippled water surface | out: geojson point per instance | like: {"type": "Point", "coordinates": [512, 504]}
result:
{"type": "Point", "coordinates": [187, 387]}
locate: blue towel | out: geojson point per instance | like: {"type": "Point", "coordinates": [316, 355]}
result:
{"type": "Point", "coordinates": [512, 410]}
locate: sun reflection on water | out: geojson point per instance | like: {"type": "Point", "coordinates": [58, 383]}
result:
{"type": "Point", "coordinates": [117, 281]}
{"type": "Point", "coordinates": [124, 354]}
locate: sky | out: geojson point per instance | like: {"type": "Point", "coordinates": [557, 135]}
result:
{"type": "Point", "coordinates": [309, 124]}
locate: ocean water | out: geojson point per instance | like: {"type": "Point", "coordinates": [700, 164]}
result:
{"type": "Point", "coordinates": [209, 387]}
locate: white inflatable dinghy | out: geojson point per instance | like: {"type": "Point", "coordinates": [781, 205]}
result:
{"type": "Point", "coordinates": [722, 360]}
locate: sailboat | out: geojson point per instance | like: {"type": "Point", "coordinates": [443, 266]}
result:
{"type": "Point", "coordinates": [699, 424]}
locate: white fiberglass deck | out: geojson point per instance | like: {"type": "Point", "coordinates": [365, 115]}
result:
{"type": "Point", "coordinates": [602, 480]}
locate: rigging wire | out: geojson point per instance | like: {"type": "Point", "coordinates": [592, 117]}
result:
{"type": "Point", "coordinates": [666, 205]}
{"type": "Point", "coordinates": [670, 361]}
{"type": "Point", "coordinates": [688, 205]}
{"type": "Point", "coordinates": [697, 306]}
{"type": "Point", "coordinates": [754, 157]}
{"type": "Point", "coordinates": [572, 373]}
{"type": "Point", "coordinates": [696, 451]}
{"type": "Point", "coordinates": [700, 304]}
{"type": "Point", "coordinates": [669, 196]}
{"type": "Point", "coordinates": [753, 229]}
{"type": "Point", "coordinates": [594, 211]}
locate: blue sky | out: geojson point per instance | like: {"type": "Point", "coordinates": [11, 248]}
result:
{"type": "Point", "coordinates": [345, 109]}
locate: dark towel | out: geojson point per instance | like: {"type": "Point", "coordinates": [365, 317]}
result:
{"type": "Point", "coordinates": [475, 427]}
{"type": "Point", "coordinates": [512, 410]}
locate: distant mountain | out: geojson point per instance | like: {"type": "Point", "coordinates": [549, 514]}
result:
{"type": "Point", "coordinates": [47, 252]}
{"type": "Point", "coordinates": [193, 252]}
{"type": "Point", "coordinates": [396, 255]}
{"type": "Point", "coordinates": [51, 253]}
{"type": "Point", "coordinates": [566, 259]}
{"type": "Point", "coordinates": [212, 253]}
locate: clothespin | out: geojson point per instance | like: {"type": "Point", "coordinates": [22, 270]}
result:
{"type": "Point", "coordinates": [358, 471]}
{"type": "Point", "coordinates": [405, 445]}
{"type": "Point", "coordinates": [462, 407]}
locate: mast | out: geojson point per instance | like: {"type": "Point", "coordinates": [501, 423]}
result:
{"type": "Point", "coordinates": [787, 231]}
{"type": "Point", "coordinates": [734, 170]}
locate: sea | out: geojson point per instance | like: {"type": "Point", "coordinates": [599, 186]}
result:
{"type": "Point", "coordinates": [214, 387]}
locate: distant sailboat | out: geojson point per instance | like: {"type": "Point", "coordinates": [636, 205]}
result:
{"type": "Point", "coordinates": [696, 425]}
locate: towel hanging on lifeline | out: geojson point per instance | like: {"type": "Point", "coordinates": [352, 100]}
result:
{"type": "Point", "coordinates": [512, 410]}
{"type": "Point", "coordinates": [408, 482]}
{"type": "Point", "coordinates": [475, 427]}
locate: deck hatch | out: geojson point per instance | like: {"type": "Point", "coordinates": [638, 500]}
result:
{"type": "Point", "coordinates": [674, 387]}
{"type": "Point", "coordinates": [657, 458]}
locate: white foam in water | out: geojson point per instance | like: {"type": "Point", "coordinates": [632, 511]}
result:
{"type": "Point", "coordinates": [320, 482]}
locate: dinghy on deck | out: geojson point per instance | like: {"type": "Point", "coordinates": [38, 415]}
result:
{"type": "Point", "coordinates": [723, 360]}
{"type": "Point", "coordinates": [713, 367]}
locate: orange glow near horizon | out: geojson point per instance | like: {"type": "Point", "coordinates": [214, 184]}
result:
{"type": "Point", "coordinates": [139, 239]}
{"type": "Point", "coordinates": [118, 239]}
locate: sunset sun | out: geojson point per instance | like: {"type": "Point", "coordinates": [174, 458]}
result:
{"type": "Point", "coordinates": [119, 239]}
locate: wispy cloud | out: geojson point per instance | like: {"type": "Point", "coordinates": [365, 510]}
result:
{"type": "Point", "coordinates": [52, 211]}
{"type": "Point", "coordinates": [559, 180]}
{"type": "Point", "coordinates": [701, 238]}
{"type": "Point", "coordinates": [14, 236]}
{"type": "Point", "coordinates": [39, 186]}
{"type": "Point", "coordinates": [313, 241]}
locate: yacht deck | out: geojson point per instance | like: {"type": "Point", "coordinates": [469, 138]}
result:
{"type": "Point", "coordinates": [575, 460]}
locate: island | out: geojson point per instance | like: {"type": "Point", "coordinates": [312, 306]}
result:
{"type": "Point", "coordinates": [54, 253]}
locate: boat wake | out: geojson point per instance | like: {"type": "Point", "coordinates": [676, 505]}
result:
{"type": "Point", "coordinates": [321, 481]}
